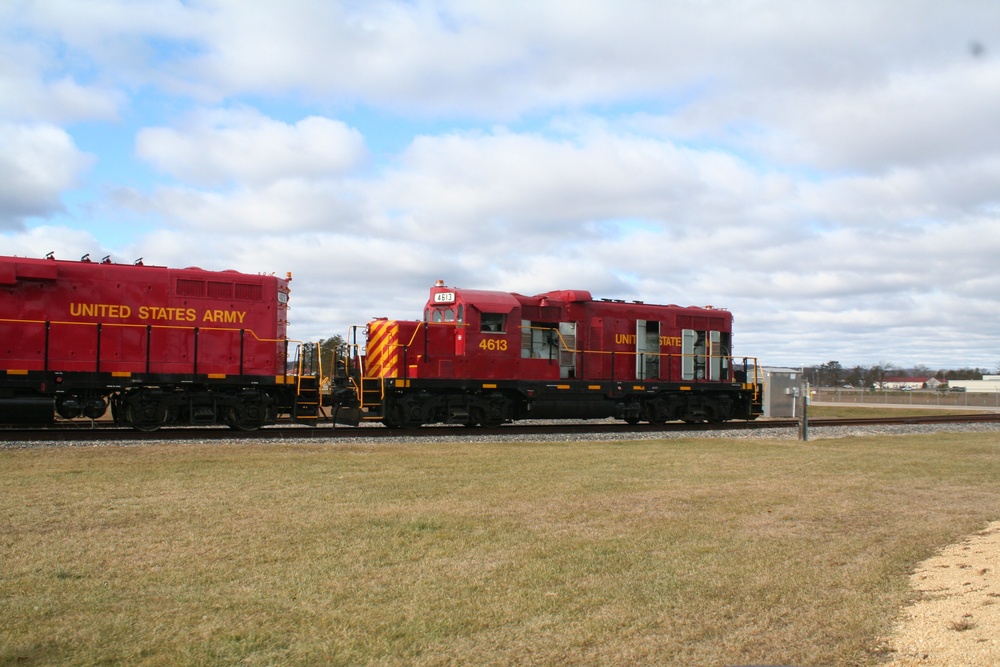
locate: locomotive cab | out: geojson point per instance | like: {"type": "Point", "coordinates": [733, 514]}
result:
{"type": "Point", "coordinates": [480, 322]}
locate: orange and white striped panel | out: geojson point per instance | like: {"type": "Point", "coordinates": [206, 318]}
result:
{"type": "Point", "coordinates": [384, 355]}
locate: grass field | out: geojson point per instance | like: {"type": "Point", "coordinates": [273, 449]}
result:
{"type": "Point", "coordinates": [819, 411]}
{"type": "Point", "coordinates": [676, 552]}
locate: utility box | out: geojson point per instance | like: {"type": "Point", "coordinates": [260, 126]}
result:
{"type": "Point", "coordinates": [781, 385]}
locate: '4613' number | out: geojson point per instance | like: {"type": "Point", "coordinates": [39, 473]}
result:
{"type": "Point", "coordinates": [493, 344]}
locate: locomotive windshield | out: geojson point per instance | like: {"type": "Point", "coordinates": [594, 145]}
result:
{"type": "Point", "coordinates": [444, 314]}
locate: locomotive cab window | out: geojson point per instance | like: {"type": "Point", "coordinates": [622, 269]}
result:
{"type": "Point", "coordinates": [492, 323]}
{"type": "Point", "coordinates": [438, 315]}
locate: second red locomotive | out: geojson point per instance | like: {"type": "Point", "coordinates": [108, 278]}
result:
{"type": "Point", "coordinates": [485, 357]}
{"type": "Point", "coordinates": [160, 346]}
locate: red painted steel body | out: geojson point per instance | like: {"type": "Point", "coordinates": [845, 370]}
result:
{"type": "Point", "coordinates": [160, 346]}
{"type": "Point", "coordinates": [552, 336]}
{"type": "Point", "coordinates": [486, 357]}
{"type": "Point", "coordinates": [102, 317]}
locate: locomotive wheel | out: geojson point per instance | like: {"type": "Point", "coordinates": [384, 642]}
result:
{"type": "Point", "coordinates": [236, 419]}
{"type": "Point", "coordinates": [712, 415]}
{"type": "Point", "coordinates": [476, 417]}
{"type": "Point", "coordinates": [144, 420]}
{"type": "Point", "coordinates": [403, 413]}
{"type": "Point", "coordinates": [394, 417]}
{"type": "Point", "coordinates": [497, 411]}
{"type": "Point", "coordinates": [656, 412]}
{"type": "Point", "coordinates": [146, 416]}
{"type": "Point", "coordinates": [248, 415]}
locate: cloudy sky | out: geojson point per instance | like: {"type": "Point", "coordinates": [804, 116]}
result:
{"type": "Point", "coordinates": [829, 171]}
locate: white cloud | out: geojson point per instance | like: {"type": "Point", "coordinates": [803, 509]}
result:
{"type": "Point", "coordinates": [63, 243]}
{"type": "Point", "coordinates": [25, 95]}
{"type": "Point", "coordinates": [37, 163]}
{"type": "Point", "coordinates": [289, 205]}
{"type": "Point", "coordinates": [527, 184]}
{"type": "Point", "coordinates": [827, 171]}
{"type": "Point", "coordinates": [223, 146]}
{"type": "Point", "coordinates": [621, 215]}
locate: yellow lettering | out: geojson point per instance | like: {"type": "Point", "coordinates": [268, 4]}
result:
{"type": "Point", "coordinates": [191, 315]}
{"type": "Point", "coordinates": [227, 316]}
{"type": "Point", "coordinates": [102, 310]}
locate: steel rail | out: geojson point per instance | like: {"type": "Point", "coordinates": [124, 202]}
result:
{"type": "Point", "coordinates": [101, 431]}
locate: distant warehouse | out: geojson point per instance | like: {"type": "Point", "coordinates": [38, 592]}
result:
{"type": "Point", "coordinates": [908, 383]}
{"type": "Point", "coordinates": [990, 384]}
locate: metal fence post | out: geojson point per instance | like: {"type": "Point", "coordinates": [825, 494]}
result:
{"type": "Point", "coordinates": [803, 412]}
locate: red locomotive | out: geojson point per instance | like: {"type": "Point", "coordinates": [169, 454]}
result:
{"type": "Point", "coordinates": [161, 346]}
{"type": "Point", "coordinates": [484, 357]}
{"type": "Point", "coordinates": [167, 346]}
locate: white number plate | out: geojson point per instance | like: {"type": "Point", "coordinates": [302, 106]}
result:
{"type": "Point", "coordinates": [444, 297]}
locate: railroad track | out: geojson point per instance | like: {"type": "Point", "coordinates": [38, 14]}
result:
{"type": "Point", "coordinates": [102, 431]}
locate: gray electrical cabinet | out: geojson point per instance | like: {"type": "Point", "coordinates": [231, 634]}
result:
{"type": "Point", "coordinates": [780, 388]}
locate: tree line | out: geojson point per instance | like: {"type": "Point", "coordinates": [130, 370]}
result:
{"type": "Point", "coordinates": [833, 374]}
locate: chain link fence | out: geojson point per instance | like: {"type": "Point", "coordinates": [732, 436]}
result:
{"type": "Point", "coordinates": [919, 397]}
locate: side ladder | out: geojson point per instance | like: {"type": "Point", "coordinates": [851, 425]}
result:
{"type": "Point", "coordinates": [307, 400]}
{"type": "Point", "coordinates": [372, 396]}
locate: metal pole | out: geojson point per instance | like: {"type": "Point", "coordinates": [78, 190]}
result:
{"type": "Point", "coordinates": [803, 416]}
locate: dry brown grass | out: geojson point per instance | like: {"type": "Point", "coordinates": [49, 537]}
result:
{"type": "Point", "coordinates": [681, 552]}
{"type": "Point", "coordinates": [873, 411]}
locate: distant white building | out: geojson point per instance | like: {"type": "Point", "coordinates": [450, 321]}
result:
{"type": "Point", "coordinates": [904, 383]}
{"type": "Point", "coordinates": [990, 384]}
